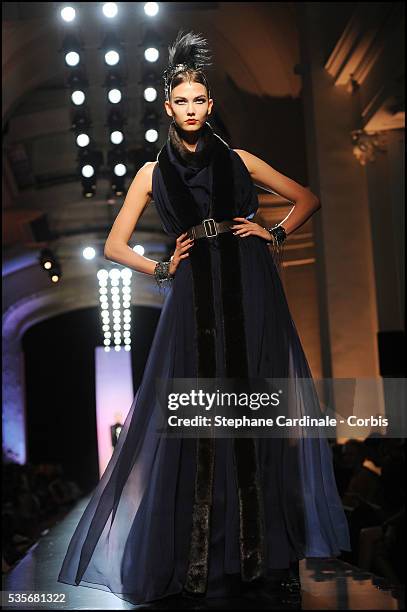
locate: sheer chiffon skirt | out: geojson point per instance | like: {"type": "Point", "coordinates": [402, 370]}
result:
{"type": "Point", "coordinates": [133, 537]}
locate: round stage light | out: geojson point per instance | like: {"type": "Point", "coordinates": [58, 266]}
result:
{"type": "Point", "coordinates": [151, 9]}
{"type": "Point", "coordinates": [112, 58]}
{"type": "Point", "coordinates": [82, 140]}
{"type": "Point", "coordinates": [151, 54]}
{"type": "Point", "coordinates": [151, 135]}
{"type": "Point", "coordinates": [120, 170]}
{"type": "Point", "coordinates": [68, 13]}
{"type": "Point", "coordinates": [72, 58]}
{"type": "Point", "coordinates": [78, 97]}
{"type": "Point", "coordinates": [116, 137]}
{"type": "Point", "coordinates": [110, 9]}
{"type": "Point", "coordinates": [150, 94]}
{"type": "Point", "coordinates": [114, 96]}
{"type": "Point", "coordinates": [88, 171]}
{"type": "Point", "coordinates": [102, 274]}
{"type": "Point", "coordinates": [89, 253]}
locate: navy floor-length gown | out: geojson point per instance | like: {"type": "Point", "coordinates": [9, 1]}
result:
{"type": "Point", "coordinates": [134, 536]}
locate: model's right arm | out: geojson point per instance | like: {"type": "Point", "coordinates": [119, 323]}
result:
{"type": "Point", "coordinates": [137, 198]}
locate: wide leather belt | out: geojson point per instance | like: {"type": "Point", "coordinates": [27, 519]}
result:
{"type": "Point", "coordinates": [209, 228]}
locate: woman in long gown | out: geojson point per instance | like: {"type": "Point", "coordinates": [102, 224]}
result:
{"type": "Point", "coordinates": [202, 516]}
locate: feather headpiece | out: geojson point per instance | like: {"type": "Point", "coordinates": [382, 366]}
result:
{"type": "Point", "coordinates": [189, 51]}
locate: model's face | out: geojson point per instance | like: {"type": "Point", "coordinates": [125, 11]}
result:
{"type": "Point", "coordinates": [189, 101]}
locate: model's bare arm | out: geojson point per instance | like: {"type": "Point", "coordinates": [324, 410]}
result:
{"type": "Point", "coordinates": [265, 176]}
{"type": "Point", "coordinates": [116, 246]}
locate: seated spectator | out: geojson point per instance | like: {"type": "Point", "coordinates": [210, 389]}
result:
{"type": "Point", "coordinates": [33, 497]}
{"type": "Point", "coordinates": [365, 486]}
{"type": "Point", "coordinates": [348, 458]}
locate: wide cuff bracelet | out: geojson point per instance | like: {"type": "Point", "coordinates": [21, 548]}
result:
{"type": "Point", "coordinates": [278, 235]}
{"type": "Point", "coordinates": [162, 273]}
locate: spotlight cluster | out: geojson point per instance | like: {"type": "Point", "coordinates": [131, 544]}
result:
{"type": "Point", "coordinates": [150, 78]}
{"type": "Point", "coordinates": [114, 84]}
{"type": "Point", "coordinates": [115, 310]}
{"type": "Point", "coordinates": [89, 160]}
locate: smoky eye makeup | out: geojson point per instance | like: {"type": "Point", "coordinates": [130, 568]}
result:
{"type": "Point", "coordinates": [196, 100]}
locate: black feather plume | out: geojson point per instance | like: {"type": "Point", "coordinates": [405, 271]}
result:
{"type": "Point", "coordinates": [189, 50]}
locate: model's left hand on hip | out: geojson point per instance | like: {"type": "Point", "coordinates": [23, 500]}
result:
{"type": "Point", "coordinates": [248, 228]}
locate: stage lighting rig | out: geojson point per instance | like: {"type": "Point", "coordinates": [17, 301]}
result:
{"type": "Point", "coordinates": [114, 85]}
{"type": "Point", "coordinates": [89, 163]}
{"type": "Point", "coordinates": [72, 50]}
{"type": "Point", "coordinates": [151, 126]}
{"type": "Point", "coordinates": [115, 124]}
{"type": "Point", "coordinates": [117, 162]}
{"type": "Point", "coordinates": [112, 50]}
{"type": "Point", "coordinates": [151, 85]}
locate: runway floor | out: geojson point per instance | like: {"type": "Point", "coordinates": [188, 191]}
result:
{"type": "Point", "coordinates": [326, 584]}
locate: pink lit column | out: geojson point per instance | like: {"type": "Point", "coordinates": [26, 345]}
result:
{"type": "Point", "coordinates": [114, 396]}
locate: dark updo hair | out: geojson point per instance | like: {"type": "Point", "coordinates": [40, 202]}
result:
{"type": "Point", "coordinates": [187, 58]}
{"type": "Point", "coordinates": [189, 76]}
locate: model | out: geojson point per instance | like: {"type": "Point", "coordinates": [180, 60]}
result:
{"type": "Point", "coordinates": [205, 515]}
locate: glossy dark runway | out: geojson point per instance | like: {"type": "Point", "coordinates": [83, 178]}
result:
{"type": "Point", "coordinates": [326, 585]}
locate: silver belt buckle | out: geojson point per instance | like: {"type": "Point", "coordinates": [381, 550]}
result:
{"type": "Point", "coordinates": [208, 221]}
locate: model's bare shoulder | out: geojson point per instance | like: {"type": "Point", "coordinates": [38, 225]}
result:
{"type": "Point", "coordinates": [150, 164]}
{"type": "Point", "coordinates": [245, 157]}
{"type": "Point", "coordinates": [148, 169]}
